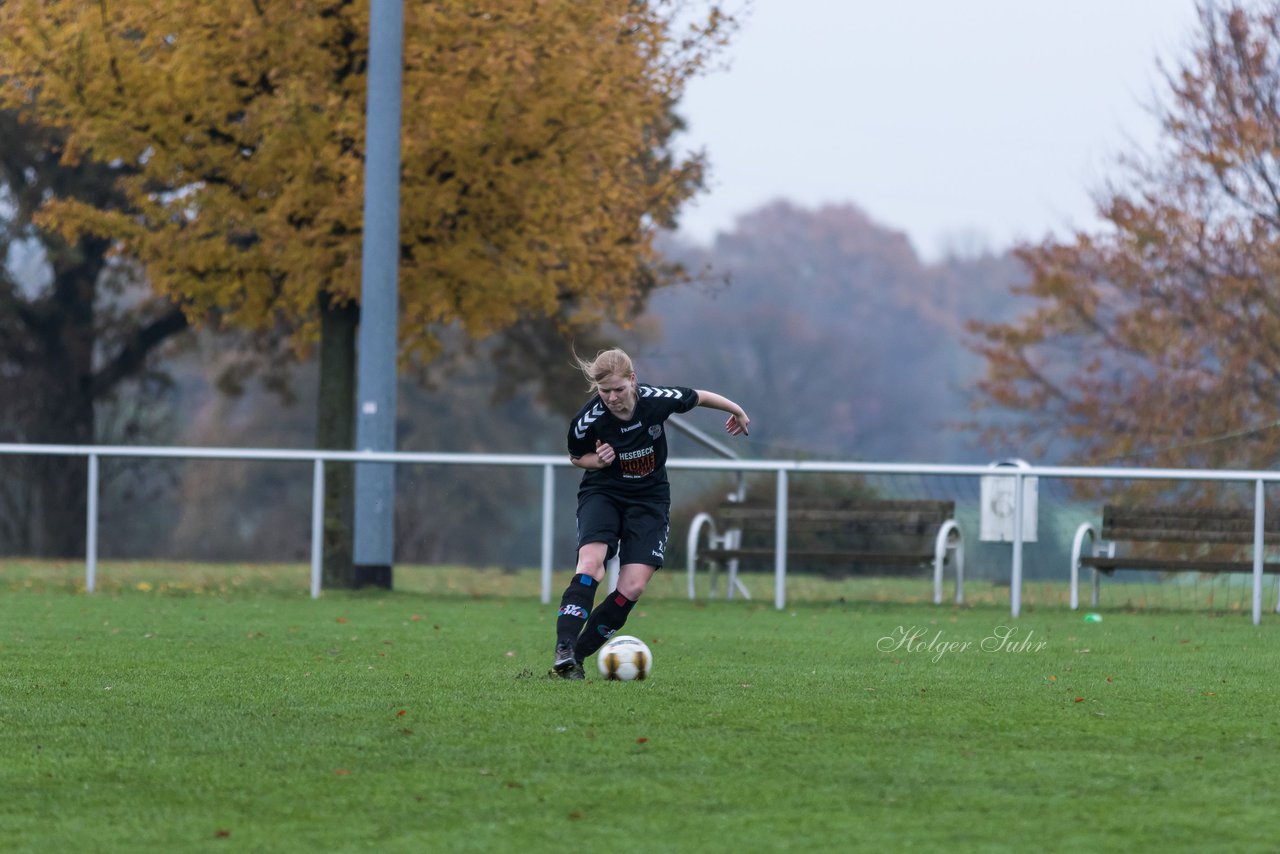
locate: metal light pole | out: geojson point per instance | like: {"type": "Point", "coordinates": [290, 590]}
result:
{"type": "Point", "coordinates": [376, 366]}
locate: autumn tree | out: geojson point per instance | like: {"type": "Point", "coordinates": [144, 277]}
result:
{"type": "Point", "coordinates": [76, 333]}
{"type": "Point", "coordinates": [1156, 340]}
{"type": "Point", "coordinates": [537, 159]}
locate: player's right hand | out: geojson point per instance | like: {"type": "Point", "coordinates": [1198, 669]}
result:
{"type": "Point", "coordinates": [605, 454]}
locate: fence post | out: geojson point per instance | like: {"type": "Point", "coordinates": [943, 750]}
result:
{"type": "Point", "coordinates": [317, 524]}
{"type": "Point", "coordinates": [1259, 546]}
{"type": "Point", "coordinates": [548, 512]}
{"type": "Point", "coordinates": [91, 528]}
{"type": "Point", "coordinates": [1015, 576]}
{"type": "Point", "coordinates": [780, 545]}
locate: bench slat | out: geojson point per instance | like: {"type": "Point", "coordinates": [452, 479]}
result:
{"type": "Point", "coordinates": [836, 557]}
{"type": "Point", "coordinates": [914, 518]}
{"type": "Point", "coordinates": [895, 535]}
{"type": "Point", "coordinates": [1165, 535]}
{"type": "Point", "coordinates": [1110, 564]}
{"type": "Point", "coordinates": [1185, 524]}
{"type": "Point", "coordinates": [823, 514]}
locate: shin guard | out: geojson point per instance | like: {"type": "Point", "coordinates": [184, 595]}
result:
{"type": "Point", "coordinates": [575, 607]}
{"type": "Point", "coordinates": [604, 622]}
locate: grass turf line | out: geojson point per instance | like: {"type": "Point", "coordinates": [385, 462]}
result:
{"type": "Point", "coordinates": [136, 720]}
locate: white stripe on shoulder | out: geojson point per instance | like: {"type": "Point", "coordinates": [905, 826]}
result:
{"type": "Point", "coordinates": [588, 418]}
{"type": "Point", "coordinates": [654, 391]}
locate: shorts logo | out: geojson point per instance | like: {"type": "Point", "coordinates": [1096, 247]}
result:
{"type": "Point", "coordinates": [655, 431]}
{"type": "Point", "coordinates": [662, 544]}
{"type": "Point", "coordinates": [573, 611]}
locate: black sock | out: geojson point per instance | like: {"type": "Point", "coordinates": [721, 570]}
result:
{"type": "Point", "coordinates": [604, 622]}
{"type": "Point", "coordinates": [575, 607]}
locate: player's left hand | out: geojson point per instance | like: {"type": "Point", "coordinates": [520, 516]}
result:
{"type": "Point", "coordinates": [737, 425]}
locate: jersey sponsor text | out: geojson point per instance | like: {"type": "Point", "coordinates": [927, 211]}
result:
{"type": "Point", "coordinates": [638, 463]}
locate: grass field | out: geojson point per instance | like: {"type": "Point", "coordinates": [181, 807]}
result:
{"type": "Point", "coordinates": [187, 709]}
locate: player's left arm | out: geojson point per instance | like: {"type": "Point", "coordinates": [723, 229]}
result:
{"type": "Point", "coordinates": [737, 422]}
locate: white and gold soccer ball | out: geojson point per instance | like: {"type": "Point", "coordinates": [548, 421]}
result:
{"type": "Point", "coordinates": [625, 658]}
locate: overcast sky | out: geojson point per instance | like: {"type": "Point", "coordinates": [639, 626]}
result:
{"type": "Point", "coordinates": [960, 122]}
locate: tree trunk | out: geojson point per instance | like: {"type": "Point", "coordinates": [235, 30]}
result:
{"type": "Point", "coordinates": [67, 337]}
{"type": "Point", "coordinates": [335, 430]}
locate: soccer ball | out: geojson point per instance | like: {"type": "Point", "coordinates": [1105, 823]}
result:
{"type": "Point", "coordinates": [625, 658]}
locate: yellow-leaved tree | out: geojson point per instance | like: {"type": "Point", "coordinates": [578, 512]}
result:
{"type": "Point", "coordinates": [537, 157]}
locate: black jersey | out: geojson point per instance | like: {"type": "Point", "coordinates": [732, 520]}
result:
{"type": "Point", "coordinates": [641, 444]}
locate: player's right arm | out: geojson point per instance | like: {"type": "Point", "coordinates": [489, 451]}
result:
{"type": "Point", "coordinates": [601, 458]}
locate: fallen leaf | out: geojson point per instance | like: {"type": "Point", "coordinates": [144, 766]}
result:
{"type": "Point", "coordinates": [1079, 699]}
{"type": "Point", "coordinates": [402, 713]}
{"type": "Point", "coordinates": [341, 772]}
{"type": "Point", "coordinates": [342, 619]}
{"type": "Point", "coordinates": [222, 834]}
{"type": "Point", "coordinates": [641, 740]}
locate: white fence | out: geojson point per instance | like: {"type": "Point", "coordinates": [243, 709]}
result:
{"type": "Point", "coordinates": [782, 469]}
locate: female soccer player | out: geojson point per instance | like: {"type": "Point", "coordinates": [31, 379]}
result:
{"type": "Point", "coordinates": [624, 500]}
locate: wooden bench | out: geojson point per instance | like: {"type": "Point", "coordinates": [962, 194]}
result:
{"type": "Point", "coordinates": [1221, 540]}
{"type": "Point", "coordinates": [837, 536]}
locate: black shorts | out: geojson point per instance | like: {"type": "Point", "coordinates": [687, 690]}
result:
{"type": "Point", "coordinates": [635, 530]}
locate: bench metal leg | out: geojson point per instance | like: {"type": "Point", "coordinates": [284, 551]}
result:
{"type": "Point", "coordinates": [730, 539]}
{"type": "Point", "coordinates": [734, 540]}
{"type": "Point", "coordinates": [1101, 550]}
{"type": "Point", "coordinates": [691, 550]}
{"type": "Point", "coordinates": [1077, 549]}
{"type": "Point", "coordinates": [950, 539]}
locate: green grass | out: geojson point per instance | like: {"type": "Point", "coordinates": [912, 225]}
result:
{"type": "Point", "coordinates": [221, 709]}
{"type": "Point", "coordinates": [1226, 594]}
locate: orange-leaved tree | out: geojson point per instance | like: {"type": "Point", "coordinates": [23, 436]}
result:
{"type": "Point", "coordinates": [1156, 339]}
{"type": "Point", "coordinates": [537, 155]}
